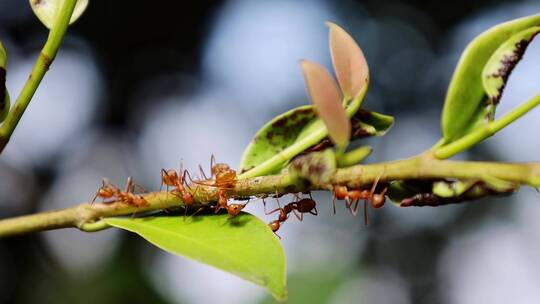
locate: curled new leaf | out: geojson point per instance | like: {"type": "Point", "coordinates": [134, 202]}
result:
{"type": "Point", "coordinates": [4, 95]}
{"type": "Point", "coordinates": [46, 10]}
{"type": "Point", "coordinates": [503, 61]}
{"type": "Point", "coordinates": [326, 97]}
{"type": "Point", "coordinates": [466, 104]}
{"type": "Point", "coordinates": [349, 62]}
{"type": "Point", "coordinates": [243, 246]}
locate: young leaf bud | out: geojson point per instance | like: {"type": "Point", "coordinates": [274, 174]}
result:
{"type": "Point", "coordinates": [46, 10]}
{"type": "Point", "coordinates": [325, 95]}
{"type": "Point", "coordinates": [349, 62]}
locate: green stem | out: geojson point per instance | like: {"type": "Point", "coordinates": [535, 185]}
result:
{"type": "Point", "coordinates": [43, 62]}
{"type": "Point", "coordinates": [485, 131]}
{"type": "Point", "coordinates": [87, 216]}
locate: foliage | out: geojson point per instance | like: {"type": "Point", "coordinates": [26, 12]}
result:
{"type": "Point", "coordinates": [242, 245]}
{"type": "Point", "coordinates": [309, 144]}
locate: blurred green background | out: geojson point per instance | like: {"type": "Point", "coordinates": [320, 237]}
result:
{"type": "Point", "coordinates": [138, 86]}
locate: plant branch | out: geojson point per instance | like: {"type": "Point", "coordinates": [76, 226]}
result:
{"type": "Point", "coordinates": [86, 216]}
{"type": "Point", "coordinates": [43, 62]}
{"type": "Point", "coordinates": [485, 130]}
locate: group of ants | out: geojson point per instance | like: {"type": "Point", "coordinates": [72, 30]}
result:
{"type": "Point", "coordinates": [224, 178]}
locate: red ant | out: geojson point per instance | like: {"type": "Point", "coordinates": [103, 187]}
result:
{"type": "Point", "coordinates": [223, 177]}
{"type": "Point", "coordinates": [232, 209]}
{"type": "Point", "coordinates": [354, 196]}
{"type": "Point", "coordinates": [222, 174]}
{"type": "Point", "coordinates": [178, 180]}
{"type": "Point", "coordinates": [108, 190]}
{"type": "Point", "coordinates": [298, 208]}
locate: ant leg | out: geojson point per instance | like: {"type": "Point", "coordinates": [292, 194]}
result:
{"type": "Point", "coordinates": [299, 217]}
{"type": "Point", "coordinates": [334, 203]}
{"type": "Point", "coordinates": [314, 211]}
{"type": "Point", "coordinates": [277, 199]}
{"type": "Point", "coordinates": [198, 210]}
{"type": "Point", "coordinates": [97, 192]}
{"type": "Point", "coordinates": [183, 179]}
{"type": "Point", "coordinates": [354, 210]}
{"type": "Point", "coordinates": [201, 170]}
{"type": "Point", "coordinates": [161, 174]}
{"type": "Point", "coordinates": [130, 185]}
{"type": "Point", "coordinates": [212, 163]}
{"type": "Point", "coordinates": [141, 188]}
{"type": "Point", "coordinates": [185, 211]}
{"type": "Point", "coordinates": [95, 197]}
{"type": "Point", "coordinates": [264, 204]}
{"type": "Point", "coordinates": [273, 211]}
{"type": "Point", "coordinates": [366, 215]}
{"type": "Point", "coordinates": [181, 166]}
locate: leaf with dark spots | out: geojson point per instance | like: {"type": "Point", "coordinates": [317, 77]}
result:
{"type": "Point", "coordinates": [296, 126]}
{"type": "Point", "coordinates": [278, 134]}
{"type": "Point", "coordinates": [467, 104]}
{"type": "Point", "coordinates": [317, 167]}
{"type": "Point", "coordinates": [503, 61]}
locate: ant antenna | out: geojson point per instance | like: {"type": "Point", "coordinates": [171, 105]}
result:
{"type": "Point", "coordinates": [201, 170]}
{"type": "Point", "coordinates": [163, 174]}
{"type": "Point", "coordinates": [277, 199]}
{"type": "Point", "coordinates": [212, 161]}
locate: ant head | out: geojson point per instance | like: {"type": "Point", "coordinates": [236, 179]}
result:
{"type": "Point", "coordinates": [188, 198]}
{"type": "Point", "coordinates": [139, 201]}
{"type": "Point", "coordinates": [378, 200]}
{"type": "Point", "coordinates": [218, 168]}
{"type": "Point", "coordinates": [340, 191]}
{"type": "Point", "coordinates": [106, 192]}
{"type": "Point", "coordinates": [274, 226]}
{"type": "Point", "coordinates": [169, 177]}
{"type": "Point", "coordinates": [234, 209]}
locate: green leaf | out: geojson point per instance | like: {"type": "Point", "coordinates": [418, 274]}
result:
{"type": "Point", "coordinates": [243, 245]}
{"type": "Point", "coordinates": [466, 99]}
{"type": "Point", "coordinates": [277, 135]}
{"type": "Point", "coordinates": [502, 63]}
{"type": "Point", "coordinates": [294, 131]}
{"type": "Point", "coordinates": [46, 10]}
{"type": "Point", "coordinates": [290, 134]}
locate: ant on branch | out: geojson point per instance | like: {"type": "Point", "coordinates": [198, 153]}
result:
{"type": "Point", "coordinates": [298, 208]}
{"type": "Point", "coordinates": [352, 197]}
{"type": "Point", "coordinates": [224, 178]}
{"type": "Point", "coordinates": [222, 174]}
{"type": "Point", "coordinates": [177, 180]}
{"type": "Point", "coordinates": [110, 191]}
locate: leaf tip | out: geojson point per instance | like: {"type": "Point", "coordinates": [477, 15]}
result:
{"type": "Point", "coordinates": [349, 62]}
